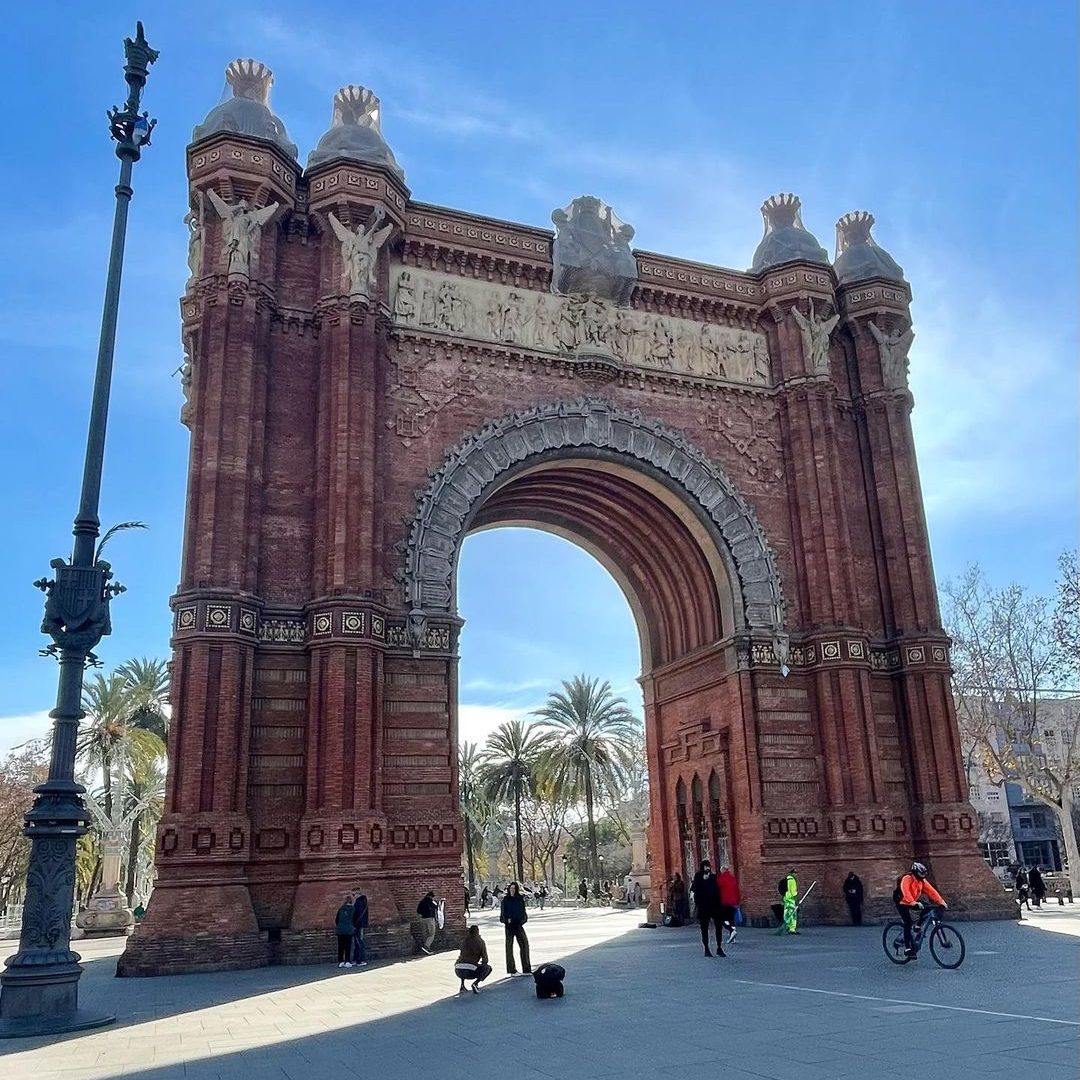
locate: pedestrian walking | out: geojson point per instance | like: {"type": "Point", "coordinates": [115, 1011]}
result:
{"type": "Point", "coordinates": [343, 927]}
{"type": "Point", "coordinates": [513, 916]}
{"type": "Point", "coordinates": [468, 899]}
{"type": "Point", "coordinates": [790, 886]}
{"type": "Point", "coordinates": [1038, 886]}
{"type": "Point", "coordinates": [853, 895]}
{"type": "Point", "coordinates": [707, 900]}
{"type": "Point", "coordinates": [680, 902]}
{"type": "Point", "coordinates": [583, 893]}
{"type": "Point", "coordinates": [485, 897]}
{"type": "Point", "coordinates": [472, 963]}
{"type": "Point", "coordinates": [730, 899]}
{"type": "Point", "coordinates": [1023, 895]}
{"type": "Point", "coordinates": [428, 910]}
{"type": "Point", "coordinates": [541, 894]}
{"type": "Point", "coordinates": [360, 924]}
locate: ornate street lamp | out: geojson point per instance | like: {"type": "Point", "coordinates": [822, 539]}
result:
{"type": "Point", "coordinates": [39, 991]}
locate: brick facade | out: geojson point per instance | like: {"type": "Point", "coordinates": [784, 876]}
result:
{"type": "Point", "coordinates": [313, 741]}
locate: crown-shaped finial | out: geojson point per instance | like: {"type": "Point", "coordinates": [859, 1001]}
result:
{"type": "Point", "coordinates": [853, 228]}
{"type": "Point", "coordinates": [250, 79]}
{"type": "Point", "coordinates": [356, 105]}
{"type": "Point", "coordinates": [781, 210]}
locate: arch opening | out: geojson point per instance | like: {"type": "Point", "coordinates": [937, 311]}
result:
{"type": "Point", "coordinates": [669, 569]}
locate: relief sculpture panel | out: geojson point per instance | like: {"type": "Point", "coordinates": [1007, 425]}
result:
{"type": "Point", "coordinates": [577, 326]}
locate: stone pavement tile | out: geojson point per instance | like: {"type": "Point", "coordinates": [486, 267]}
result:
{"type": "Point", "coordinates": [1050, 1053]}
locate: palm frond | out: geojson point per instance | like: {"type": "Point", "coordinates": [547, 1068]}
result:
{"type": "Point", "coordinates": [122, 527]}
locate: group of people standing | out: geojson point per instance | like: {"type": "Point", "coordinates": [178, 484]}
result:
{"type": "Point", "coordinates": [1029, 886]}
{"type": "Point", "coordinates": [717, 899]}
{"type": "Point", "coordinates": [350, 925]}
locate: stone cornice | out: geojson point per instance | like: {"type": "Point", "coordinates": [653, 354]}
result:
{"type": "Point", "coordinates": [223, 615]}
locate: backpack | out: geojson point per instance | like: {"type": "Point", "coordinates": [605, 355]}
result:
{"type": "Point", "coordinates": [898, 894]}
{"type": "Point", "coordinates": [549, 980]}
{"type": "Point", "coordinates": [781, 886]}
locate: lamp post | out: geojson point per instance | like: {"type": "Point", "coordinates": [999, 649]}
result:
{"type": "Point", "coordinates": [39, 991]}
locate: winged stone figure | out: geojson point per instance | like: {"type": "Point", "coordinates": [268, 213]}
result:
{"type": "Point", "coordinates": [360, 252]}
{"type": "Point", "coordinates": [242, 226]}
{"type": "Point", "coordinates": [815, 335]}
{"type": "Point", "coordinates": [893, 347]}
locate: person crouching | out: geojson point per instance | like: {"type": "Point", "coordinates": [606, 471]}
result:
{"type": "Point", "coordinates": [472, 962]}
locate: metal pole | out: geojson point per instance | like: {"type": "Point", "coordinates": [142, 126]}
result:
{"type": "Point", "coordinates": [39, 990]}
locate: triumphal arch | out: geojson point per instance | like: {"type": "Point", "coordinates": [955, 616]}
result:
{"type": "Point", "coordinates": [368, 378]}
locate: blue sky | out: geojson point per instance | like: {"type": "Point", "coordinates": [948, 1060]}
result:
{"type": "Point", "coordinates": [955, 124]}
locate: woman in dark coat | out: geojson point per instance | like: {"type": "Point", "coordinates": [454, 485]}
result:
{"type": "Point", "coordinates": [679, 900]}
{"type": "Point", "coordinates": [853, 894]}
{"type": "Point", "coordinates": [1038, 886]}
{"type": "Point", "coordinates": [1022, 897]}
{"type": "Point", "coordinates": [513, 916]}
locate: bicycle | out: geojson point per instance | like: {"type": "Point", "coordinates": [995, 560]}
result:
{"type": "Point", "coordinates": [946, 942]}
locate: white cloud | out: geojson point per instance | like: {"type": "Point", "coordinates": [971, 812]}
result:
{"type": "Point", "coordinates": [477, 722]}
{"type": "Point", "coordinates": [995, 399]}
{"type": "Point", "coordinates": [16, 730]}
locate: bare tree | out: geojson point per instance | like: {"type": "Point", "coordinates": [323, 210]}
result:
{"type": "Point", "coordinates": [24, 767]}
{"type": "Point", "coordinates": [1008, 652]}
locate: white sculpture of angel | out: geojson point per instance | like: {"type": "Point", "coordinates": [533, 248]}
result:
{"type": "Point", "coordinates": [242, 225]}
{"type": "Point", "coordinates": [359, 252]}
{"type": "Point", "coordinates": [893, 346]}
{"type": "Point", "coordinates": [815, 335]}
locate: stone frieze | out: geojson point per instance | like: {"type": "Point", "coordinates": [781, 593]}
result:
{"type": "Point", "coordinates": [576, 326]}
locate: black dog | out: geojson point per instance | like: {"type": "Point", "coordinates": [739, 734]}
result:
{"type": "Point", "coordinates": [549, 980]}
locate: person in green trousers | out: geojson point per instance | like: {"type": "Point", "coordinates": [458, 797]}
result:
{"type": "Point", "coordinates": [791, 905]}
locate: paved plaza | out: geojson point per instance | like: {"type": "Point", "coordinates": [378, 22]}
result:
{"type": "Point", "coordinates": [639, 1003]}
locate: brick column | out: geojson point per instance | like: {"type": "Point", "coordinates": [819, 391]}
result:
{"type": "Point", "coordinates": [944, 827]}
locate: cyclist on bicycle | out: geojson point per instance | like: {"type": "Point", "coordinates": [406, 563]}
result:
{"type": "Point", "coordinates": [911, 889]}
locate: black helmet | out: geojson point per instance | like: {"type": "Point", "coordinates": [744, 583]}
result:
{"type": "Point", "coordinates": [919, 870]}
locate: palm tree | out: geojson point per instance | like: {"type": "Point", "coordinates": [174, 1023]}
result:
{"type": "Point", "coordinates": [145, 786]}
{"type": "Point", "coordinates": [474, 808]}
{"type": "Point", "coordinates": [148, 688]}
{"type": "Point", "coordinates": [508, 766]}
{"type": "Point", "coordinates": [590, 746]}
{"type": "Point", "coordinates": [106, 705]}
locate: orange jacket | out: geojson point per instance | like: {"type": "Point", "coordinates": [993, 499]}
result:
{"type": "Point", "coordinates": [912, 890]}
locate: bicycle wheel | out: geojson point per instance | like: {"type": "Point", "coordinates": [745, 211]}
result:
{"type": "Point", "coordinates": [892, 941]}
{"type": "Point", "coordinates": [947, 946]}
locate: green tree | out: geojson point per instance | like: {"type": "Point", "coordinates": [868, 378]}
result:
{"type": "Point", "coordinates": [148, 694]}
{"type": "Point", "coordinates": [508, 771]}
{"type": "Point", "coordinates": [144, 794]}
{"type": "Point", "coordinates": [591, 747]}
{"type": "Point", "coordinates": [474, 807]}
{"type": "Point", "coordinates": [106, 708]}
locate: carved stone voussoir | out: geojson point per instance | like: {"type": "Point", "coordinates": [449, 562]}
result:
{"type": "Point", "coordinates": [472, 467]}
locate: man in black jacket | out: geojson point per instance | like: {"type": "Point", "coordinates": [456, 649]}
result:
{"type": "Point", "coordinates": [513, 916]}
{"type": "Point", "coordinates": [707, 898]}
{"type": "Point", "coordinates": [428, 911]}
{"type": "Point", "coordinates": [853, 894]}
{"type": "Point", "coordinates": [360, 925]}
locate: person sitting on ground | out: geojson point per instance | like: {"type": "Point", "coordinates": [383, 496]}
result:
{"type": "Point", "coordinates": [472, 962]}
{"type": "Point", "coordinates": [913, 893]}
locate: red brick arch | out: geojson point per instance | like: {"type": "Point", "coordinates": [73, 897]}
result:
{"type": "Point", "coordinates": [706, 433]}
{"type": "Point", "coordinates": [702, 568]}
